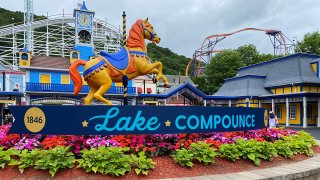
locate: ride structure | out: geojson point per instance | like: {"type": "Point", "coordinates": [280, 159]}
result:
{"type": "Point", "coordinates": [281, 46]}
{"type": "Point", "coordinates": [131, 61]}
{"type": "Point", "coordinates": [51, 35]}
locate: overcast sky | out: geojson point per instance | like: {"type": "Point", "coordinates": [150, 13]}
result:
{"type": "Point", "coordinates": [183, 24]}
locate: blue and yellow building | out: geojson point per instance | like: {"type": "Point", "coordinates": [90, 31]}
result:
{"type": "Point", "coordinates": [289, 86]}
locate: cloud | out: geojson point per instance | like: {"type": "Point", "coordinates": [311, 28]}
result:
{"type": "Point", "coordinates": [183, 24]}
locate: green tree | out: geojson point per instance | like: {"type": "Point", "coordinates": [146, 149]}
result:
{"type": "Point", "coordinates": [172, 62]}
{"type": "Point", "coordinates": [223, 65]}
{"type": "Point", "coordinates": [226, 63]}
{"type": "Point", "coordinates": [248, 54]}
{"type": "Point", "coordinates": [310, 43]}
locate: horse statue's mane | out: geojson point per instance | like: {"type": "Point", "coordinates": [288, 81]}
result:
{"type": "Point", "coordinates": [135, 38]}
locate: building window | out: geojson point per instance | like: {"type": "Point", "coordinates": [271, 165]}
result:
{"type": "Point", "coordinates": [24, 56]}
{"type": "Point", "coordinates": [292, 112]}
{"type": "Point", "coordinates": [65, 79]}
{"type": "Point", "coordinates": [45, 78]}
{"type": "Point", "coordinates": [75, 55]}
{"type": "Point", "coordinates": [279, 112]}
{"type": "Point", "coordinates": [309, 112]}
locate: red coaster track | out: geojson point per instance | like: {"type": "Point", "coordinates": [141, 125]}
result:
{"type": "Point", "coordinates": [278, 40]}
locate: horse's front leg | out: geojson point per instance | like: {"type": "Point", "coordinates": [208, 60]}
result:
{"type": "Point", "coordinates": [151, 69]}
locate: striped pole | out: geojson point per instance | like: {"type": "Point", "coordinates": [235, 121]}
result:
{"type": "Point", "coordinates": [125, 89]}
{"type": "Point", "coordinates": [124, 77]}
{"type": "Point", "coordinates": [124, 30]}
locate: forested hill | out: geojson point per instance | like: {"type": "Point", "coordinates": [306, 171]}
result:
{"type": "Point", "coordinates": [172, 62]}
{"type": "Point", "coordinates": [6, 17]}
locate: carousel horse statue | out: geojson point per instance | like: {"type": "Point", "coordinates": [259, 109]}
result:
{"type": "Point", "coordinates": [130, 61]}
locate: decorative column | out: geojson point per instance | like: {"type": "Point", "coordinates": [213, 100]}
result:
{"type": "Point", "coordinates": [287, 112]}
{"type": "Point", "coordinates": [272, 105]}
{"type": "Point", "coordinates": [259, 104]}
{"type": "Point", "coordinates": [304, 112]}
{"type": "Point", "coordinates": [318, 112]}
{"type": "Point", "coordinates": [204, 102]}
{"type": "Point", "coordinates": [229, 103]}
{"type": "Point", "coordinates": [124, 30]}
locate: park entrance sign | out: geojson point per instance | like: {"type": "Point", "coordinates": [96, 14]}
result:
{"type": "Point", "coordinates": [114, 120]}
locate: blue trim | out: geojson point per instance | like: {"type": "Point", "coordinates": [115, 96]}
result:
{"type": "Point", "coordinates": [138, 53]}
{"type": "Point", "coordinates": [94, 67]}
{"type": "Point", "coordinates": [245, 76]}
{"type": "Point", "coordinates": [280, 59]}
{"type": "Point", "coordinates": [10, 93]}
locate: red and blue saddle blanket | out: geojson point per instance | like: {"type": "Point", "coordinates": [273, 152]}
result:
{"type": "Point", "coordinates": [118, 60]}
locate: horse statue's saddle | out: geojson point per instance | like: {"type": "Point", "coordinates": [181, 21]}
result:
{"type": "Point", "coordinates": [118, 60]}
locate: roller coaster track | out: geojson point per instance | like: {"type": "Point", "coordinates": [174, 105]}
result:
{"type": "Point", "coordinates": [277, 38]}
{"type": "Point", "coordinates": [53, 35]}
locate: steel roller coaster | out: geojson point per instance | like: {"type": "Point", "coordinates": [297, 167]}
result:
{"type": "Point", "coordinates": [281, 45]}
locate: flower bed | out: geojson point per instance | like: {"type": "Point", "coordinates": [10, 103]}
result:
{"type": "Point", "coordinates": [117, 155]}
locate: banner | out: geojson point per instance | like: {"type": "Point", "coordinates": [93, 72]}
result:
{"type": "Point", "coordinates": [114, 120]}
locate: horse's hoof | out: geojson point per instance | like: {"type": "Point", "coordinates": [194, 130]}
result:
{"type": "Point", "coordinates": [154, 80]}
{"type": "Point", "coordinates": [167, 85]}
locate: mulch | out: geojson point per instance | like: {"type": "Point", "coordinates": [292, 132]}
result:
{"type": "Point", "coordinates": [165, 168]}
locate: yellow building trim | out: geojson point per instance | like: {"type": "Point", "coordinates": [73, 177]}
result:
{"type": "Point", "coordinates": [7, 101]}
{"type": "Point", "coordinates": [287, 90]}
{"type": "Point", "coordinates": [254, 105]}
{"type": "Point", "coordinates": [119, 84]}
{"type": "Point", "coordinates": [314, 67]}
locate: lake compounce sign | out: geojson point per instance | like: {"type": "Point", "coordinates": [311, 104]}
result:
{"type": "Point", "coordinates": [113, 120]}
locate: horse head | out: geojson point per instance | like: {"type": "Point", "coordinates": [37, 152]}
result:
{"type": "Point", "coordinates": [148, 32]}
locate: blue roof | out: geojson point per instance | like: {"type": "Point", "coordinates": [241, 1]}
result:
{"type": "Point", "coordinates": [10, 93]}
{"type": "Point", "coordinates": [282, 58]}
{"type": "Point", "coordinates": [174, 89]}
{"type": "Point", "coordinates": [84, 7]}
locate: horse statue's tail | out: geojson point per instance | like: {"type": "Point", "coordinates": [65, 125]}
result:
{"type": "Point", "coordinates": [75, 75]}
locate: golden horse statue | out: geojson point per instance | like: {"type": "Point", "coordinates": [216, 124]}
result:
{"type": "Point", "coordinates": [131, 61]}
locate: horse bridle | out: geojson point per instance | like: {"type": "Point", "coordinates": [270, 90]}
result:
{"type": "Point", "coordinates": [152, 35]}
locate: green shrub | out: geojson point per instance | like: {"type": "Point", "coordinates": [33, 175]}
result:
{"type": "Point", "coordinates": [183, 157]}
{"type": "Point", "coordinates": [5, 156]}
{"type": "Point", "coordinates": [229, 151]}
{"type": "Point", "coordinates": [26, 159]}
{"type": "Point", "coordinates": [106, 160]}
{"type": "Point", "coordinates": [203, 152]}
{"type": "Point", "coordinates": [255, 150]}
{"type": "Point", "coordinates": [300, 143]}
{"type": "Point", "coordinates": [55, 159]}
{"type": "Point", "coordinates": [141, 163]}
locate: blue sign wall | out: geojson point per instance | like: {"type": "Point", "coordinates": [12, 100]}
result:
{"type": "Point", "coordinates": [112, 120]}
